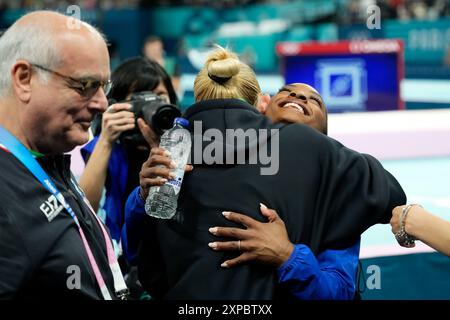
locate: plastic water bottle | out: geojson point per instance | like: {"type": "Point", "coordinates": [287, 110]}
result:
{"type": "Point", "coordinates": [162, 200]}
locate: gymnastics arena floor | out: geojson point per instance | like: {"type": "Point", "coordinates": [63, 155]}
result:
{"type": "Point", "coordinates": [415, 147]}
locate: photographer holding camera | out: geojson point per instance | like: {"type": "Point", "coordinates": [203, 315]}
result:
{"type": "Point", "coordinates": [124, 135]}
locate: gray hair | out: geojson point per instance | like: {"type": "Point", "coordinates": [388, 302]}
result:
{"type": "Point", "coordinates": [27, 42]}
{"type": "Point", "coordinates": [31, 43]}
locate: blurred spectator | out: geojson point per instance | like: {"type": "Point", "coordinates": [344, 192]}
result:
{"type": "Point", "coordinates": [351, 11]}
{"type": "Point", "coordinates": [205, 3]}
{"type": "Point", "coordinates": [355, 11]}
{"type": "Point", "coordinates": [153, 49]}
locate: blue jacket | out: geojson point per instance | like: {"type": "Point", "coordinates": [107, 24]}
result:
{"type": "Point", "coordinates": [117, 168]}
{"type": "Point", "coordinates": [329, 276]}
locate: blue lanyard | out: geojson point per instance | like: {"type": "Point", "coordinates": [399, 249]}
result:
{"type": "Point", "coordinates": [23, 155]}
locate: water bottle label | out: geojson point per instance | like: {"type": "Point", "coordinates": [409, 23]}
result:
{"type": "Point", "coordinates": [176, 183]}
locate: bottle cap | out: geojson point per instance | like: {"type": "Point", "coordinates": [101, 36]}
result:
{"type": "Point", "coordinates": [181, 121]}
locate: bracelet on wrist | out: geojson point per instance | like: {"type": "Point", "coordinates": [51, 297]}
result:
{"type": "Point", "coordinates": [403, 238]}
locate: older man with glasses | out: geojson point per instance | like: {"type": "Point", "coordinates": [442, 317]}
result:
{"type": "Point", "coordinates": [54, 75]}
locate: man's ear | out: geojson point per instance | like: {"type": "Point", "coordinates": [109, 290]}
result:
{"type": "Point", "coordinates": [21, 73]}
{"type": "Point", "coordinates": [263, 102]}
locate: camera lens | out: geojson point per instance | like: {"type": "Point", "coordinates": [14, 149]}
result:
{"type": "Point", "coordinates": [164, 117]}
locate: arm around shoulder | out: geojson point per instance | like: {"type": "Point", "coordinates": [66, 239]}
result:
{"type": "Point", "coordinates": [359, 191]}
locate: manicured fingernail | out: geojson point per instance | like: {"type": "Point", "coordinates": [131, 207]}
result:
{"type": "Point", "coordinates": [163, 180]}
{"type": "Point", "coordinates": [226, 213]}
{"type": "Point", "coordinates": [212, 245]}
{"type": "Point", "coordinates": [213, 230]}
{"type": "Point", "coordinates": [172, 175]}
{"type": "Point", "coordinates": [173, 164]}
{"type": "Point", "coordinates": [263, 206]}
{"type": "Point", "coordinates": [224, 265]}
{"type": "Point", "coordinates": [167, 153]}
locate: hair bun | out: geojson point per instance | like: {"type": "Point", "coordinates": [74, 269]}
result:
{"type": "Point", "coordinates": [224, 76]}
{"type": "Point", "coordinates": [222, 65]}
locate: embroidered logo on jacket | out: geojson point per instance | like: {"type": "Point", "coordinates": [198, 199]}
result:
{"type": "Point", "coordinates": [51, 208]}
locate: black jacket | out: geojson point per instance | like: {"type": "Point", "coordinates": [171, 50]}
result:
{"type": "Point", "coordinates": [326, 194]}
{"type": "Point", "coordinates": [41, 259]}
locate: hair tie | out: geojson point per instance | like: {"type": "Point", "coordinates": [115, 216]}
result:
{"type": "Point", "coordinates": [217, 79]}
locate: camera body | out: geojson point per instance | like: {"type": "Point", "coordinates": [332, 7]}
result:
{"type": "Point", "coordinates": [156, 112]}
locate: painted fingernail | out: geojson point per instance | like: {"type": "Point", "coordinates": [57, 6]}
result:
{"type": "Point", "coordinates": [173, 164]}
{"type": "Point", "coordinates": [213, 230]}
{"type": "Point", "coordinates": [167, 153]}
{"type": "Point", "coordinates": [262, 205]}
{"type": "Point", "coordinates": [224, 265]}
{"type": "Point", "coordinates": [226, 213]}
{"type": "Point", "coordinates": [212, 245]}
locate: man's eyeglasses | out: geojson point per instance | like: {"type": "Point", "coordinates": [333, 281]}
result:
{"type": "Point", "coordinates": [85, 87]}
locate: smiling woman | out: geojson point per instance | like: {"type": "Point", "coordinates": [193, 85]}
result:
{"type": "Point", "coordinates": [298, 103]}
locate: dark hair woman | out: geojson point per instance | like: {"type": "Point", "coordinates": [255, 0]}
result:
{"type": "Point", "coordinates": [114, 166]}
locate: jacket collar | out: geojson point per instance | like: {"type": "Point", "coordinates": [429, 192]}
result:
{"type": "Point", "coordinates": [208, 105]}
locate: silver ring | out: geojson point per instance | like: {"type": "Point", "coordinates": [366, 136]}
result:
{"type": "Point", "coordinates": [239, 245]}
